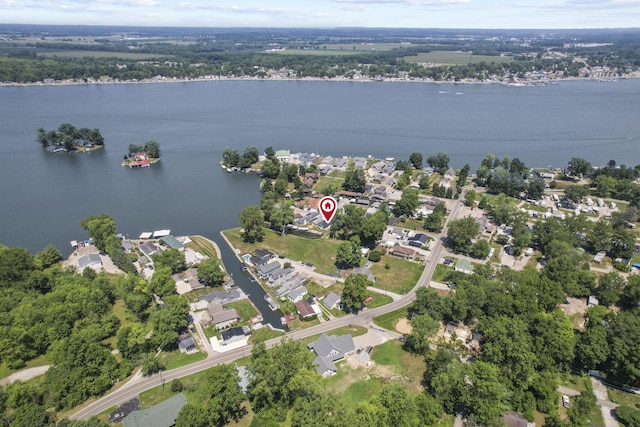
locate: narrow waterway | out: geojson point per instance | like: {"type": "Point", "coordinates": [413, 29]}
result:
{"type": "Point", "coordinates": [234, 267]}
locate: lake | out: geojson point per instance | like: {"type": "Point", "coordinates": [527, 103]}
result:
{"type": "Point", "coordinates": [44, 195]}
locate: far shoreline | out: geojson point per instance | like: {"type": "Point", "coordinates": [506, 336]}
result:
{"type": "Point", "coordinates": [522, 83]}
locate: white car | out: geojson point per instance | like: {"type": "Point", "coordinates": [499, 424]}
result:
{"type": "Point", "coordinates": [565, 401]}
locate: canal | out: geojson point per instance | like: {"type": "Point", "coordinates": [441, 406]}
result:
{"type": "Point", "coordinates": [234, 265]}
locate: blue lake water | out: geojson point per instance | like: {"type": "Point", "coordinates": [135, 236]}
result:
{"type": "Point", "coordinates": [44, 196]}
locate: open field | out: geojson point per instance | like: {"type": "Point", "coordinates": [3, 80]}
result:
{"type": "Point", "coordinates": [343, 49]}
{"type": "Point", "coordinates": [400, 277]}
{"type": "Point", "coordinates": [389, 320]}
{"type": "Point", "coordinates": [98, 54]}
{"type": "Point", "coordinates": [409, 367]}
{"type": "Point", "coordinates": [321, 252]}
{"type": "Point", "coordinates": [455, 58]}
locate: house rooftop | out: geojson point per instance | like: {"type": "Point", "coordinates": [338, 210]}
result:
{"type": "Point", "coordinates": [164, 414]}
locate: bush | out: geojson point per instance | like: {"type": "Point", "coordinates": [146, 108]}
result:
{"type": "Point", "coordinates": [176, 386]}
{"type": "Point", "coordinates": [628, 416]}
{"type": "Point", "coordinates": [502, 239]}
{"type": "Point", "coordinates": [375, 256]}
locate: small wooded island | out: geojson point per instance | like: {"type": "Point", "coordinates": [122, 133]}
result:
{"type": "Point", "coordinates": [142, 156]}
{"type": "Point", "coordinates": [69, 138]}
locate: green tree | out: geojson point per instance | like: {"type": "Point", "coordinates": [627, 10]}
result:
{"type": "Point", "coordinates": [171, 258]}
{"type": "Point", "coordinates": [280, 218]}
{"type": "Point", "coordinates": [578, 167]}
{"type": "Point", "coordinates": [355, 291]}
{"type": "Point", "coordinates": [221, 395]}
{"type": "Point", "coordinates": [100, 228]}
{"type": "Point", "coordinates": [575, 193]}
{"type": "Point", "coordinates": [162, 283]}
{"type": "Point", "coordinates": [48, 256]}
{"type": "Point", "coordinates": [354, 180]}
{"type": "Point", "coordinates": [423, 327]}
{"type": "Point", "coordinates": [628, 416]}
{"type": "Point", "coordinates": [252, 221]}
{"type": "Point", "coordinates": [407, 204]}
{"type": "Point", "coordinates": [152, 365]}
{"type": "Point", "coordinates": [439, 161]}
{"type": "Point", "coordinates": [485, 394]}
{"type": "Point", "coordinates": [425, 182]}
{"type": "Point", "coordinates": [230, 157]}
{"type": "Point", "coordinates": [480, 249]}
{"type": "Point", "coordinates": [348, 255]}
{"type": "Point", "coordinates": [210, 272]}
{"type": "Point", "coordinates": [399, 405]}
{"type": "Point", "coordinates": [610, 288]}
{"type": "Point", "coordinates": [152, 148]}
{"type": "Point", "coordinates": [416, 160]}
{"type": "Point", "coordinates": [460, 234]}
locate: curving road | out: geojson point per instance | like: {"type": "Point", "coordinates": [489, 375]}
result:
{"type": "Point", "coordinates": [364, 318]}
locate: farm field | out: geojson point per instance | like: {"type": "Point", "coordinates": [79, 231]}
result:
{"type": "Point", "coordinates": [455, 58]}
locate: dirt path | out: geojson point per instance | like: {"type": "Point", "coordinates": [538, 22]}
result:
{"type": "Point", "coordinates": [25, 374]}
{"type": "Point", "coordinates": [403, 326]}
{"type": "Point", "coordinates": [606, 407]}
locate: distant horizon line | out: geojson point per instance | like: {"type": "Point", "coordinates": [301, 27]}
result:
{"type": "Point", "coordinates": [322, 28]}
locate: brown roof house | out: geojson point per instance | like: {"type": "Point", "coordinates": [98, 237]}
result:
{"type": "Point", "coordinates": [222, 318]}
{"type": "Point", "coordinates": [402, 252]}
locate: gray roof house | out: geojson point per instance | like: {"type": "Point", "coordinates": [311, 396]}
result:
{"type": "Point", "coordinates": [187, 345]}
{"type": "Point", "coordinates": [222, 318]}
{"type": "Point", "coordinates": [89, 260]}
{"type": "Point", "coordinates": [222, 297]}
{"type": "Point", "coordinates": [164, 414]}
{"type": "Point", "coordinates": [331, 300]}
{"type": "Point", "coordinates": [330, 349]}
{"type": "Point", "coordinates": [264, 270]}
{"type": "Point", "coordinates": [148, 249]}
{"type": "Point", "coordinates": [297, 294]}
{"type": "Point", "coordinates": [418, 240]}
{"type": "Point", "coordinates": [464, 266]}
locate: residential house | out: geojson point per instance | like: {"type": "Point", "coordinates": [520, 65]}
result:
{"type": "Point", "coordinates": [89, 260]}
{"type": "Point", "coordinates": [222, 318]}
{"type": "Point", "coordinates": [305, 309]}
{"type": "Point", "coordinates": [148, 249]}
{"type": "Point", "coordinates": [514, 419]}
{"type": "Point", "coordinates": [127, 246]}
{"type": "Point", "coordinates": [329, 350]}
{"type": "Point", "coordinates": [464, 266]}
{"type": "Point", "coordinates": [261, 257]}
{"type": "Point", "coordinates": [283, 155]}
{"type": "Point", "coordinates": [265, 269]}
{"type": "Point", "coordinates": [222, 297]}
{"type": "Point", "coordinates": [332, 300]}
{"type": "Point", "coordinates": [187, 345]}
{"type": "Point", "coordinates": [172, 243]}
{"type": "Point", "coordinates": [402, 252]}
{"type": "Point", "coordinates": [187, 281]}
{"type": "Point", "coordinates": [359, 162]}
{"type": "Point", "coordinates": [164, 414]}
{"type": "Point", "coordinates": [450, 174]}
{"type": "Point", "coordinates": [234, 334]}
{"type": "Point", "coordinates": [297, 294]}
{"type": "Point", "coordinates": [418, 240]}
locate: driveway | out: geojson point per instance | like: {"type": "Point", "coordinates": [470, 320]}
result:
{"type": "Point", "coordinates": [606, 406]}
{"type": "Point", "coordinates": [25, 374]}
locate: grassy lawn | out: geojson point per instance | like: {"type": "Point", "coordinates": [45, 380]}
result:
{"type": "Point", "coordinates": [320, 252]}
{"type": "Point", "coordinates": [379, 300]}
{"type": "Point", "coordinates": [245, 309]}
{"type": "Point", "coordinates": [175, 359]}
{"type": "Point", "coordinates": [409, 366]}
{"type": "Point", "coordinates": [622, 398]}
{"type": "Point", "coordinates": [440, 275]}
{"type": "Point", "coordinates": [413, 224]}
{"type": "Point", "coordinates": [361, 391]}
{"type": "Point", "coordinates": [576, 382]}
{"type": "Point", "coordinates": [125, 317]}
{"type": "Point", "coordinates": [203, 245]}
{"type": "Point", "coordinates": [389, 320]}
{"type": "Point", "coordinates": [456, 58]}
{"type": "Point", "coordinates": [400, 277]}
{"type": "Point", "coordinates": [265, 333]}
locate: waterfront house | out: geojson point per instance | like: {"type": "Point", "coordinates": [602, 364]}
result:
{"type": "Point", "coordinates": [235, 334]}
{"type": "Point", "coordinates": [329, 350]}
{"type": "Point", "coordinates": [305, 309]}
{"type": "Point", "coordinates": [172, 243]}
{"type": "Point", "coordinates": [265, 269]}
{"type": "Point", "coordinates": [148, 249]}
{"type": "Point", "coordinates": [89, 260]}
{"type": "Point", "coordinates": [222, 318]}
{"type": "Point", "coordinates": [222, 297]}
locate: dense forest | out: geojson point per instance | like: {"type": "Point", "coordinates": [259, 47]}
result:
{"type": "Point", "coordinates": [69, 138]}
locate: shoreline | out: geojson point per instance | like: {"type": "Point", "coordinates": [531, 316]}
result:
{"type": "Point", "coordinates": [523, 83]}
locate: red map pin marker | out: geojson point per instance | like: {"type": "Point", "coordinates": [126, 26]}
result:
{"type": "Point", "coordinates": [328, 207]}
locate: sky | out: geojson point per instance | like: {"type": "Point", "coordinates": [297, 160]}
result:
{"type": "Point", "coordinates": [328, 13]}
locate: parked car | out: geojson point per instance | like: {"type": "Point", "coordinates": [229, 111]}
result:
{"type": "Point", "coordinates": [565, 400]}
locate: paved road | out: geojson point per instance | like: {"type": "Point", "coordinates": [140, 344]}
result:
{"type": "Point", "coordinates": [364, 318]}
